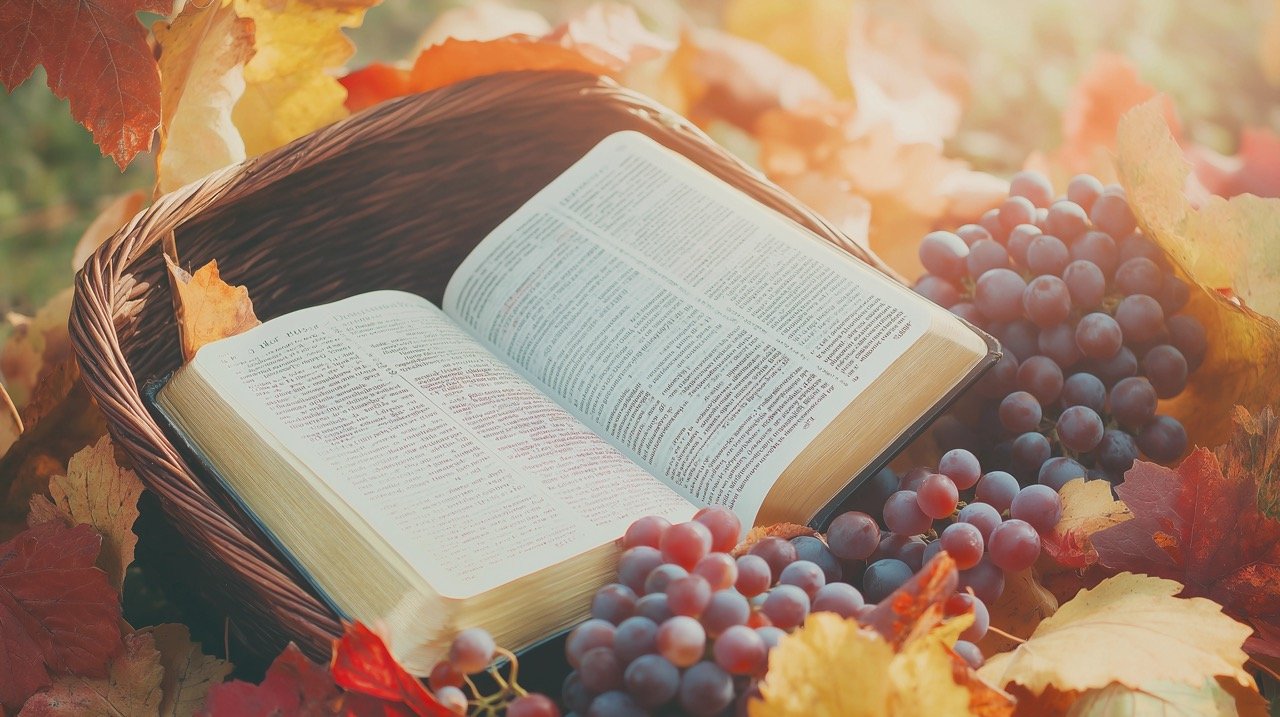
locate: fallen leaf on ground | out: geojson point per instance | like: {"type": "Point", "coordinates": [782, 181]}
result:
{"type": "Point", "coordinates": [35, 346]}
{"type": "Point", "coordinates": [109, 220]}
{"type": "Point", "coordinates": [813, 34]}
{"type": "Point", "coordinates": [96, 491]}
{"type": "Point", "coordinates": [364, 667]}
{"type": "Point", "coordinates": [1223, 246]}
{"type": "Point", "coordinates": [203, 52]}
{"type": "Point", "coordinates": [208, 308]}
{"type": "Point", "coordinates": [1130, 629]}
{"type": "Point", "coordinates": [189, 674]}
{"type": "Point", "coordinates": [131, 687]}
{"type": "Point", "coordinates": [58, 613]}
{"type": "Point", "coordinates": [293, 685]}
{"type": "Point", "coordinates": [96, 56]}
{"type": "Point", "coordinates": [1021, 607]}
{"type": "Point", "coordinates": [1087, 507]}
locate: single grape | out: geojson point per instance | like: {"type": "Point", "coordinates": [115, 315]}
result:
{"type": "Point", "coordinates": [973, 233]}
{"type": "Point", "coordinates": [1066, 219]}
{"type": "Point", "coordinates": [1187, 335]}
{"type": "Point", "coordinates": [914, 478]}
{"type": "Point", "coordinates": [719, 569]}
{"type": "Point", "coordinates": [1098, 249]}
{"type": "Point", "coordinates": [1020, 240]}
{"type": "Point", "coordinates": [1139, 275]}
{"type": "Point", "coordinates": [805, 575]}
{"type": "Point", "coordinates": [688, 595]}
{"type": "Point", "coordinates": [986, 579]}
{"type": "Point", "coordinates": [1174, 295]}
{"type": "Point", "coordinates": [1079, 428]}
{"type": "Point", "coordinates": [681, 640]}
{"type": "Point", "coordinates": [662, 576]}
{"type": "Point", "coordinates": [962, 603]}
{"type": "Point", "coordinates": [1058, 343]}
{"type": "Point", "coordinates": [1014, 545]}
{"type": "Point", "coordinates": [997, 490]}
{"type": "Point", "coordinates": [1057, 472]}
{"type": "Point", "coordinates": [614, 703]}
{"type": "Point", "coordinates": [726, 609]}
{"type": "Point", "coordinates": [636, 636]}
{"type": "Point", "coordinates": [967, 311]}
{"type": "Point", "coordinates": [1084, 389]}
{"type": "Point", "coordinates": [1083, 189]}
{"type": "Point", "coordinates": [1163, 439]}
{"type": "Point", "coordinates": [998, 294]}
{"type": "Point", "coordinates": [982, 516]}
{"type": "Point", "coordinates": [740, 651]}
{"type": "Point", "coordinates": [1117, 452]}
{"type": "Point", "coordinates": [654, 606]}
{"type": "Point", "coordinates": [472, 650]}
{"type": "Point", "coordinates": [771, 635]}
{"type": "Point", "coordinates": [651, 680]}
{"type": "Point", "coordinates": [1039, 506]}
{"type": "Point", "coordinates": [778, 553]}
{"type": "Point", "coordinates": [1000, 379]}
{"type": "Point", "coordinates": [645, 531]}
{"type": "Point", "coordinates": [985, 255]}
{"type": "Point", "coordinates": [971, 653]}
{"type": "Point", "coordinates": [1046, 301]}
{"type": "Point", "coordinates": [883, 577]}
{"type": "Point", "coordinates": [574, 695]}
{"type": "Point", "coordinates": [931, 551]}
{"type": "Point", "coordinates": [815, 551]}
{"type": "Point", "coordinates": [1020, 412]}
{"type": "Point", "coordinates": [1030, 451]}
{"type": "Point", "coordinates": [1032, 185]}
{"type": "Point", "coordinates": [1135, 245]}
{"type": "Point", "coordinates": [600, 670]}
{"type": "Point", "coordinates": [840, 598]}
{"type": "Point", "coordinates": [963, 542]}
{"type": "Point", "coordinates": [754, 575]}
{"type": "Point", "coordinates": [1133, 401]}
{"type": "Point", "coordinates": [1140, 318]}
{"type": "Point", "coordinates": [587, 636]}
{"type": "Point", "coordinates": [636, 564]}
{"type": "Point", "coordinates": [452, 699]}
{"type": "Point", "coordinates": [1123, 365]}
{"type": "Point", "coordinates": [990, 221]}
{"type": "Point", "coordinates": [1046, 254]}
{"type": "Point", "coordinates": [1042, 378]}
{"type": "Point", "coordinates": [705, 690]}
{"type": "Point", "coordinates": [1085, 283]}
{"type": "Point", "coordinates": [613, 602]}
{"type": "Point", "coordinates": [1098, 336]}
{"type": "Point", "coordinates": [961, 466]}
{"type": "Point", "coordinates": [902, 514]}
{"type": "Point", "coordinates": [684, 544]}
{"type": "Point", "coordinates": [943, 254]}
{"type": "Point", "coordinates": [1111, 213]}
{"type": "Point", "coordinates": [533, 705]}
{"type": "Point", "coordinates": [786, 606]}
{"type": "Point", "coordinates": [1020, 338]}
{"type": "Point", "coordinates": [912, 553]}
{"type": "Point", "coordinates": [853, 536]}
{"type": "Point", "coordinates": [1166, 369]}
{"type": "Point", "coordinates": [938, 496]}
{"type": "Point", "coordinates": [1016, 210]}
{"type": "Point", "coordinates": [723, 524]}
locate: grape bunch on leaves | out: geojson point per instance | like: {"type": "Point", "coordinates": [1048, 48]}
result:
{"type": "Point", "coordinates": [1086, 309]}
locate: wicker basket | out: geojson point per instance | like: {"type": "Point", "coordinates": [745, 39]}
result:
{"type": "Point", "coordinates": [394, 197]}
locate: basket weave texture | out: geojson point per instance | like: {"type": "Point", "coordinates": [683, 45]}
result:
{"type": "Point", "coordinates": [392, 198]}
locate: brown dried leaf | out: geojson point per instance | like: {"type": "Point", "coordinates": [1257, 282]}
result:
{"type": "Point", "coordinates": [132, 687]}
{"type": "Point", "coordinates": [188, 672]}
{"type": "Point", "coordinates": [208, 308]}
{"type": "Point", "coordinates": [35, 346]}
{"type": "Point", "coordinates": [1087, 507]}
{"type": "Point", "coordinates": [1023, 605]}
{"type": "Point", "coordinates": [1254, 450]}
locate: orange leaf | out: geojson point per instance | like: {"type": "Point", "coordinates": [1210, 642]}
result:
{"type": "Point", "coordinates": [1254, 169]}
{"type": "Point", "coordinates": [208, 308]}
{"type": "Point", "coordinates": [35, 346]}
{"type": "Point", "coordinates": [131, 687]}
{"type": "Point", "coordinates": [609, 34]}
{"type": "Point", "coordinates": [96, 56]}
{"type": "Point", "coordinates": [786, 531]}
{"type": "Point", "coordinates": [370, 85]}
{"type": "Point", "coordinates": [456, 60]}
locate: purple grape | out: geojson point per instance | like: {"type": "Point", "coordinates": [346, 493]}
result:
{"type": "Point", "coordinates": [636, 636]}
{"type": "Point", "coordinates": [1046, 301]}
{"type": "Point", "coordinates": [914, 478]}
{"type": "Point", "coordinates": [587, 636]}
{"type": "Point", "coordinates": [902, 514]}
{"type": "Point", "coordinates": [1066, 219]}
{"type": "Point", "coordinates": [1046, 254]}
{"type": "Point", "coordinates": [726, 609]}
{"type": "Point", "coordinates": [912, 553]}
{"type": "Point", "coordinates": [1086, 284]}
{"type": "Point", "coordinates": [1111, 213]}
{"type": "Point", "coordinates": [688, 595]}
{"type": "Point", "coordinates": [817, 552]}
{"type": "Point", "coordinates": [1117, 452]}
{"type": "Point", "coordinates": [973, 233]}
{"type": "Point", "coordinates": [1084, 389]}
{"type": "Point", "coordinates": [740, 651]}
{"type": "Point", "coordinates": [1140, 318]}
{"type": "Point", "coordinates": [1083, 189]}
{"type": "Point", "coordinates": [964, 543]}
{"type": "Point", "coordinates": [1038, 505]}
{"type": "Point", "coordinates": [1139, 275]}
{"type": "Point", "coordinates": [982, 516]}
{"type": "Point", "coordinates": [705, 690]}
{"type": "Point", "coordinates": [1020, 412]}
{"type": "Point", "coordinates": [472, 650]}
{"type": "Point", "coordinates": [937, 496]}
{"type": "Point", "coordinates": [600, 670]}
{"type": "Point", "coordinates": [1097, 248]}
{"type": "Point", "coordinates": [938, 290]}
{"type": "Point", "coordinates": [1042, 378]}
{"type": "Point", "coordinates": [883, 577]}
{"type": "Point", "coordinates": [962, 603]}
{"type": "Point", "coordinates": [1123, 365]}
{"type": "Point", "coordinates": [1016, 210]}
{"type": "Point", "coordinates": [805, 575]}
{"type": "Point", "coordinates": [754, 575]}
{"type": "Point", "coordinates": [636, 564]}
{"type": "Point", "coordinates": [1188, 336]}
{"type": "Point", "coordinates": [1014, 545]}
{"type": "Point", "coordinates": [662, 576]}
{"type": "Point", "coordinates": [998, 294]}
{"type": "Point", "coordinates": [654, 606]}
{"type": "Point", "coordinates": [967, 311]}
{"type": "Point", "coordinates": [786, 606]}
{"type": "Point", "coordinates": [961, 466]}
{"type": "Point", "coordinates": [651, 680]}
{"type": "Point", "coordinates": [1020, 240]}
{"type": "Point", "coordinates": [1174, 295]}
{"type": "Point", "coordinates": [719, 569]}
{"type": "Point", "coordinates": [971, 653]}
{"type": "Point", "coordinates": [1163, 439]}
{"type": "Point", "coordinates": [1059, 344]}
{"type": "Point", "coordinates": [778, 553]}
{"type": "Point", "coordinates": [990, 221]}
{"type": "Point", "coordinates": [682, 640]}
{"type": "Point", "coordinates": [840, 598]}
{"type": "Point", "coordinates": [1000, 379]}
{"type": "Point", "coordinates": [1030, 451]}
{"type": "Point", "coordinates": [1166, 369]}
{"type": "Point", "coordinates": [943, 254]}
{"type": "Point", "coordinates": [986, 579]}
{"type": "Point", "coordinates": [1079, 428]}
{"type": "Point", "coordinates": [615, 703]}
{"type": "Point", "coordinates": [1057, 472]}
{"type": "Point", "coordinates": [1034, 186]}
{"type": "Point", "coordinates": [1098, 336]}
{"type": "Point", "coordinates": [853, 536]}
{"type": "Point", "coordinates": [997, 490]}
{"type": "Point", "coordinates": [1133, 401]}
{"type": "Point", "coordinates": [614, 603]}
{"type": "Point", "coordinates": [1019, 338]}
{"type": "Point", "coordinates": [984, 255]}
{"type": "Point", "coordinates": [574, 695]}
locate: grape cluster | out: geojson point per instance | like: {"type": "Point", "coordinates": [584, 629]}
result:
{"type": "Point", "coordinates": [473, 651]}
{"type": "Point", "coordinates": [1087, 310]}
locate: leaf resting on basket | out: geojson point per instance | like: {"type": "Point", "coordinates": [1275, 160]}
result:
{"type": "Point", "coordinates": [189, 674]}
{"type": "Point", "coordinates": [208, 308]}
{"type": "Point", "coordinates": [132, 687]}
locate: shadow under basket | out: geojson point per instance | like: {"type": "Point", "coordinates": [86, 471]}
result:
{"type": "Point", "coordinates": [392, 198]}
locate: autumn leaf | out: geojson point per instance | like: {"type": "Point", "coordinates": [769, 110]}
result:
{"type": "Point", "coordinates": [98, 492]}
{"type": "Point", "coordinates": [916, 604]}
{"type": "Point", "coordinates": [609, 34]}
{"type": "Point", "coordinates": [208, 308]}
{"type": "Point", "coordinates": [1254, 452]}
{"type": "Point", "coordinates": [1172, 699]}
{"type": "Point", "coordinates": [1222, 245]}
{"type": "Point", "coordinates": [1201, 526]}
{"type": "Point", "coordinates": [189, 674]}
{"type": "Point", "coordinates": [203, 52]}
{"type": "Point", "coordinates": [813, 34]}
{"type": "Point", "coordinates": [786, 531]}
{"type": "Point", "coordinates": [10, 421]}
{"type": "Point", "coordinates": [1022, 606]}
{"type": "Point", "coordinates": [1087, 507]}
{"type": "Point", "coordinates": [1130, 629]}
{"type": "Point", "coordinates": [35, 346]}
{"type": "Point", "coordinates": [58, 613]}
{"type": "Point", "coordinates": [363, 666]}
{"type": "Point", "coordinates": [290, 89]}
{"type": "Point", "coordinates": [1252, 170]}
{"type": "Point", "coordinates": [483, 20]}
{"type": "Point", "coordinates": [96, 56]}
{"type": "Point", "coordinates": [132, 687]}
{"type": "Point", "coordinates": [293, 685]}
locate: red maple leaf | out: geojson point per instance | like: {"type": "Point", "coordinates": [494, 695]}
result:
{"type": "Point", "coordinates": [58, 613]}
{"type": "Point", "coordinates": [96, 55]}
{"type": "Point", "coordinates": [294, 687]}
{"type": "Point", "coordinates": [1200, 526]}
{"type": "Point", "coordinates": [375, 682]}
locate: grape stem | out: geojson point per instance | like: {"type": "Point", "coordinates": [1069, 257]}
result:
{"type": "Point", "coordinates": [508, 689]}
{"type": "Point", "coordinates": [1002, 633]}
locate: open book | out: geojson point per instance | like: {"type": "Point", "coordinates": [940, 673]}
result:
{"type": "Point", "coordinates": [638, 338]}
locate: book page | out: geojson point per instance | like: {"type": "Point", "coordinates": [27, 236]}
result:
{"type": "Point", "coordinates": [707, 336]}
{"type": "Point", "coordinates": [470, 473]}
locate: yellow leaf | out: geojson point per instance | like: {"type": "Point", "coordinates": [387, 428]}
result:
{"type": "Point", "coordinates": [35, 346]}
{"type": "Point", "coordinates": [289, 88]}
{"type": "Point", "coordinates": [611, 35]}
{"type": "Point", "coordinates": [208, 308]}
{"type": "Point", "coordinates": [202, 69]}
{"type": "Point", "coordinates": [188, 672]}
{"type": "Point", "coordinates": [1167, 700]}
{"type": "Point", "coordinates": [1087, 507]}
{"type": "Point", "coordinates": [1223, 245]}
{"type": "Point", "coordinates": [1269, 46]}
{"type": "Point", "coordinates": [1021, 607]}
{"type": "Point", "coordinates": [813, 34]}
{"type": "Point", "coordinates": [1129, 629]}
{"type": "Point", "coordinates": [120, 210]}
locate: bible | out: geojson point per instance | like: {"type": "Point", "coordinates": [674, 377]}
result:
{"type": "Point", "coordinates": [638, 338]}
